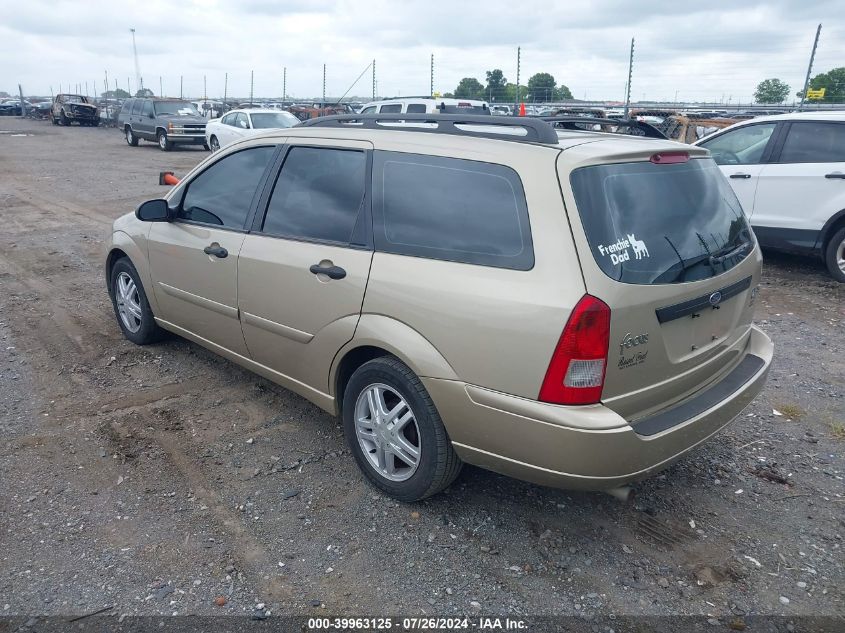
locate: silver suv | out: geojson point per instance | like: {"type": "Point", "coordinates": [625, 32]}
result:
{"type": "Point", "coordinates": [570, 307]}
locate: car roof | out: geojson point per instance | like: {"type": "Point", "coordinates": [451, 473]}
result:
{"type": "Point", "coordinates": [835, 115]}
{"type": "Point", "coordinates": [258, 111]}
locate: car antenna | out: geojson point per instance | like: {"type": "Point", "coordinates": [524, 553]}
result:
{"type": "Point", "coordinates": [354, 82]}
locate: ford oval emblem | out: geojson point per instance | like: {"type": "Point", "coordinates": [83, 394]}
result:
{"type": "Point", "coordinates": [715, 298]}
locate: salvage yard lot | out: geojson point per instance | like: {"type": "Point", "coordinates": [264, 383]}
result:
{"type": "Point", "coordinates": [159, 480]}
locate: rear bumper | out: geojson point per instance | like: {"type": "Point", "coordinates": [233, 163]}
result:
{"type": "Point", "coordinates": [592, 447]}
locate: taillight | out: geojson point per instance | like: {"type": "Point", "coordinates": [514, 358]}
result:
{"type": "Point", "coordinates": [576, 371]}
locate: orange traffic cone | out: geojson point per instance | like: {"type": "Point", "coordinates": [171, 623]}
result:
{"type": "Point", "coordinates": [167, 178]}
{"type": "Point", "coordinates": [522, 109]}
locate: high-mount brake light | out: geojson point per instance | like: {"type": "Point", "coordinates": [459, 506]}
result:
{"type": "Point", "coordinates": [669, 158]}
{"type": "Point", "coordinates": [577, 368]}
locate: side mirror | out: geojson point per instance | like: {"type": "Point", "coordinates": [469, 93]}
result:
{"type": "Point", "coordinates": [153, 211]}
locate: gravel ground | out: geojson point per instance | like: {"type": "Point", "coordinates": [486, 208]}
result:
{"type": "Point", "coordinates": [165, 480]}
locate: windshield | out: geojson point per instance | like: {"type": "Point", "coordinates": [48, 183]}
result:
{"type": "Point", "coordinates": [661, 223]}
{"type": "Point", "coordinates": [175, 108]}
{"type": "Point", "coordinates": [75, 99]}
{"type": "Point", "coordinates": [269, 120]}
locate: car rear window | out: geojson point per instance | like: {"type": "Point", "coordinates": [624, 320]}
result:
{"type": "Point", "coordinates": [650, 223]}
{"type": "Point", "coordinates": [451, 209]}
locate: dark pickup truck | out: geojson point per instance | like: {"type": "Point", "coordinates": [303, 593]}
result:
{"type": "Point", "coordinates": [163, 121]}
{"type": "Point", "coordinates": [68, 108]}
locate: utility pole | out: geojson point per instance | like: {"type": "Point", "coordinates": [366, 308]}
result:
{"type": "Point", "coordinates": [106, 84]}
{"type": "Point", "coordinates": [138, 80]}
{"type": "Point", "coordinates": [810, 67]}
{"type": "Point", "coordinates": [128, 87]}
{"type": "Point", "coordinates": [180, 86]}
{"type": "Point", "coordinates": [86, 89]}
{"type": "Point", "coordinates": [324, 85]}
{"type": "Point", "coordinates": [431, 89]}
{"type": "Point", "coordinates": [160, 87]}
{"type": "Point", "coordinates": [251, 84]}
{"type": "Point", "coordinates": [630, 73]}
{"type": "Point", "coordinates": [374, 80]}
{"type": "Point", "coordinates": [518, 63]}
{"type": "Point", "coordinates": [204, 89]}
{"type": "Point", "coordinates": [23, 104]}
{"type": "Point", "coordinates": [284, 84]}
{"type": "Point", "coordinates": [225, 86]}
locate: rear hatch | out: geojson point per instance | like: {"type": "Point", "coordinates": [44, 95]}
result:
{"type": "Point", "coordinates": [664, 243]}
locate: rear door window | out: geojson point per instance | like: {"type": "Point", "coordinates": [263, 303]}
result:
{"type": "Point", "coordinates": [814, 142]}
{"type": "Point", "coordinates": [318, 195]}
{"type": "Point", "coordinates": [742, 146]}
{"type": "Point", "coordinates": [451, 209]}
{"type": "Point", "coordinates": [658, 224]}
{"type": "Point", "coordinates": [416, 108]}
{"type": "Point", "coordinates": [393, 107]}
{"type": "Point", "coordinates": [136, 106]}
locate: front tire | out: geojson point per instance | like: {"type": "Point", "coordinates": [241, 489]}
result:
{"type": "Point", "coordinates": [834, 256]}
{"type": "Point", "coordinates": [163, 144]}
{"type": "Point", "coordinates": [395, 431]}
{"type": "Point", "coordinates": [131, 139]}
{"type": "Point", "coordinates": [131, 306]}
{"type": "Point", "coordinates": [214, 144]}
{"type": "Point", "coordinates": [63, 118]}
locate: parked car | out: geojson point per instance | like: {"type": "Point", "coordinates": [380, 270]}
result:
{"type": "Point", "coordinates": [306, 111]}
{"type": "Point", "coordinates": [429, 105]}
{"type": "Point", "coordinates": [164, 121]}
{"type": "Point", "coordinates": [240, 124]}
{"type": "Point", "coordinates": [788, 172]}
{"type": "Point", "coordinates": [69, 108]}
{"type": "Point", "coordinates": [501, 110]}
{"type": "Point", "coordinates": [12, 107]}
{"type": "Point", "coordinates": [571, 308]}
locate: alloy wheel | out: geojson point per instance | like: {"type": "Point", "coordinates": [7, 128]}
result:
{"type": "Point", "coordinates": [840, 256]}
{"type": "Point", "coordinates": [387, 432]}
{"type": "Point", "coordinates": [128, 301]}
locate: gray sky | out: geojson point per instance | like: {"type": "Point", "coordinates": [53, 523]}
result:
{"type": "Point", "coordinates": [702, 50]}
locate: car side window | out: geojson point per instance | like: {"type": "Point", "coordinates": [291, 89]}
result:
{"type": "Point", "coordinates": [148, 108]}
{"type": "Point", "coordinates": [393, 107]}
{"type": "Point", "coordinates": [450, 209]}
{"type": "Point", "coordinates": [814, 142]}
{"type": "Point", "coordinates": [136, 106]}
{"type": "Point", "coordinates": [742, 146]}
{"type": "Point", "coordinates": [368, 110]}
{"type": "Point", "coordinates": [222, 194]}
{"type": "Point", "coordinates": [228, 119]}
{"type": "Point", "coordinates": [318, 195]}
{"type": "Point", "coordinates": [418, 108]}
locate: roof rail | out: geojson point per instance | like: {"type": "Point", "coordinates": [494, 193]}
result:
{"type": "Point", "coordinates": [572, 122]}
{"type": "Point", "coordinates": [536, 130]}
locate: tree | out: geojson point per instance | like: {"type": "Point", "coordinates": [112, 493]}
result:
{"type": "Point", "coordinates": [496, 85]}
{"type": "Point", "coordinates": [145, 92]}
{"type": "Point", "coordinates": [510, 93]}
{"type": "Point", "coordinates": [771, 91]}
{"type": "Point", "coordinates": [542, 87]}
{"type": "Point", "coordinates": [833, 83]}
{"type": "Point", "coordinates": [469, 88]}
{"type": "Point", "coordinates": [563, 93]}
{"type": "Point", "coordinates": [120, 93]}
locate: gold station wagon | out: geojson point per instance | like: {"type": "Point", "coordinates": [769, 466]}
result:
{"type": "Point", "coordinates": [569, 307]}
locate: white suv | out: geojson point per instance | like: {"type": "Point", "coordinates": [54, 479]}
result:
{"type": "Point", "coordinates": [788, 172]}
{"type": "Point", "coordinates": [426, 105]}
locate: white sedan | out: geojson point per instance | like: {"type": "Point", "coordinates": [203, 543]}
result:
{"type": "Point", "coordinates": [240, 124]}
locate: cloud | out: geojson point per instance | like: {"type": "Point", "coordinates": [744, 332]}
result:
{"type": "Point", "coordinates": [700, 50]}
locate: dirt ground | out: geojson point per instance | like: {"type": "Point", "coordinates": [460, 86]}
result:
{"type": "Point", "coordinates": [156, 480]}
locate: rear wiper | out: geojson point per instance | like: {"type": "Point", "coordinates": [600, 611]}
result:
{"type": "Point", "coordinates": [727, 252]}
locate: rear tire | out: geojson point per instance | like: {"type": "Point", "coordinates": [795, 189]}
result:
{"type": "Point", "coordinates": [214, 144]}
{"type": "Point", "coordinates": [834, 256]}
{"type": "Point", "coordinates": [163, 144]}
{"type": "Point", "coordinates": [436, 464]}
{"type": "Point", "coordinates": [131, 139]}
{"type": "Point", "coordinates": [131, 307]}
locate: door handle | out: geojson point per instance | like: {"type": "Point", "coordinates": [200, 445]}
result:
{"type": "Point", "coordinates": [836, 174]}
{"type": "Point", "coordinates": [740, 175]}
{"type": "Point", "coordinates": [216, 250]}
{"type": "Point", "coordinates": [332, 272]}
